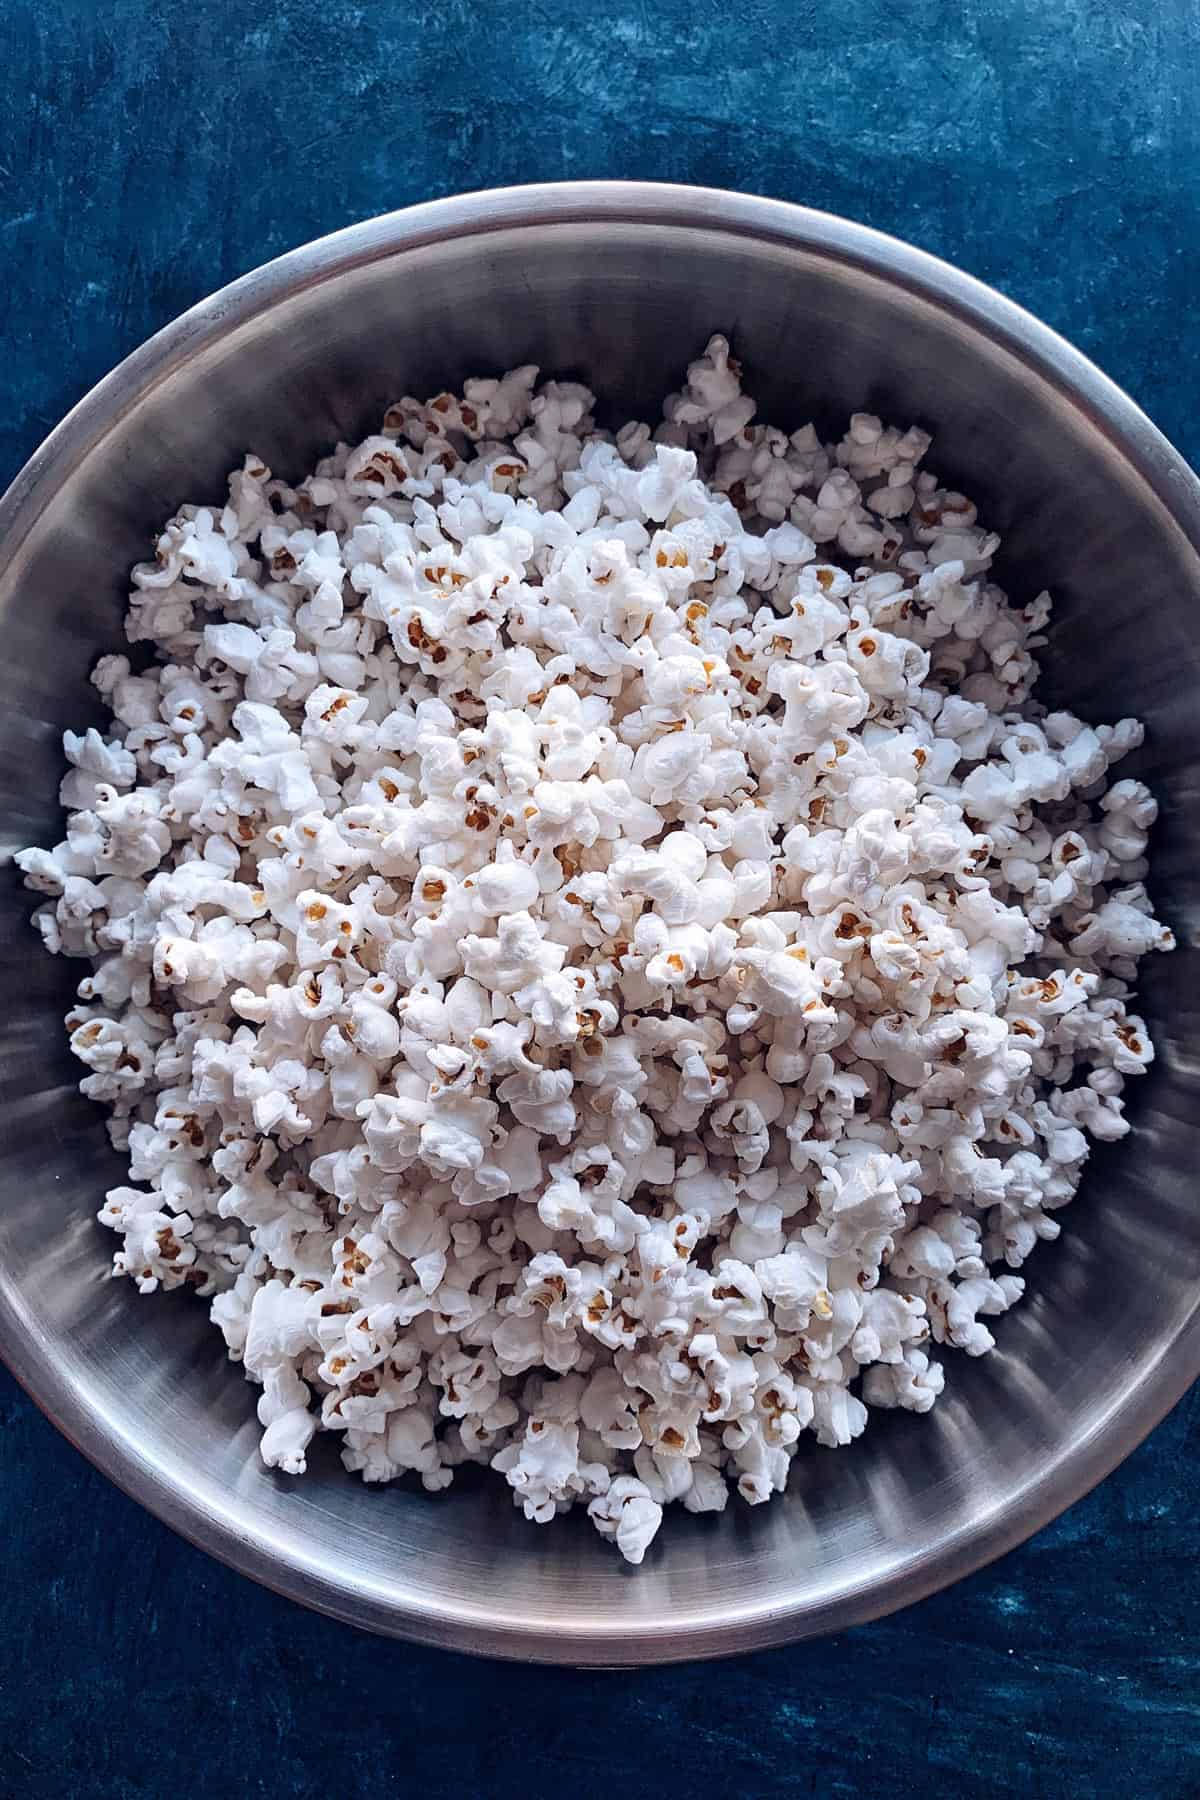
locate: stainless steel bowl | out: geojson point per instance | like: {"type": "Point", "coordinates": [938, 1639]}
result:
{"type": "Point", "coordinates": [620, 284]}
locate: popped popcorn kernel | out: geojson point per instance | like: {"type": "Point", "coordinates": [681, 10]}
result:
{"type": "Point", "coordinates": [598, 962]}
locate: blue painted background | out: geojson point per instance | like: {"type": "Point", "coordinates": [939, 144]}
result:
{"type": "Point", "coordinates": [151, 150]}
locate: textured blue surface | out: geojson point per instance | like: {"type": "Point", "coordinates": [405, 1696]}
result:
{"type": "Point", "coordinates": [149, 151]}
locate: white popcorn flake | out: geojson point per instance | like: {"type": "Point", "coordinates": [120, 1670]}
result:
{"type": "Point", "coordinates": [599, 964]}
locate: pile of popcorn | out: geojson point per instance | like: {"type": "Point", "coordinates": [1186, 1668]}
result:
{"type": "Point", "coordinates": [598, 962]}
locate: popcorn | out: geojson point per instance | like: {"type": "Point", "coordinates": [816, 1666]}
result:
{"type": "Point", "coordinates": [584, 984]}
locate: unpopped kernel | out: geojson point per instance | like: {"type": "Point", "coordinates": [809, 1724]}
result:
{"type": "Point", "coordinates": [599, 964]}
